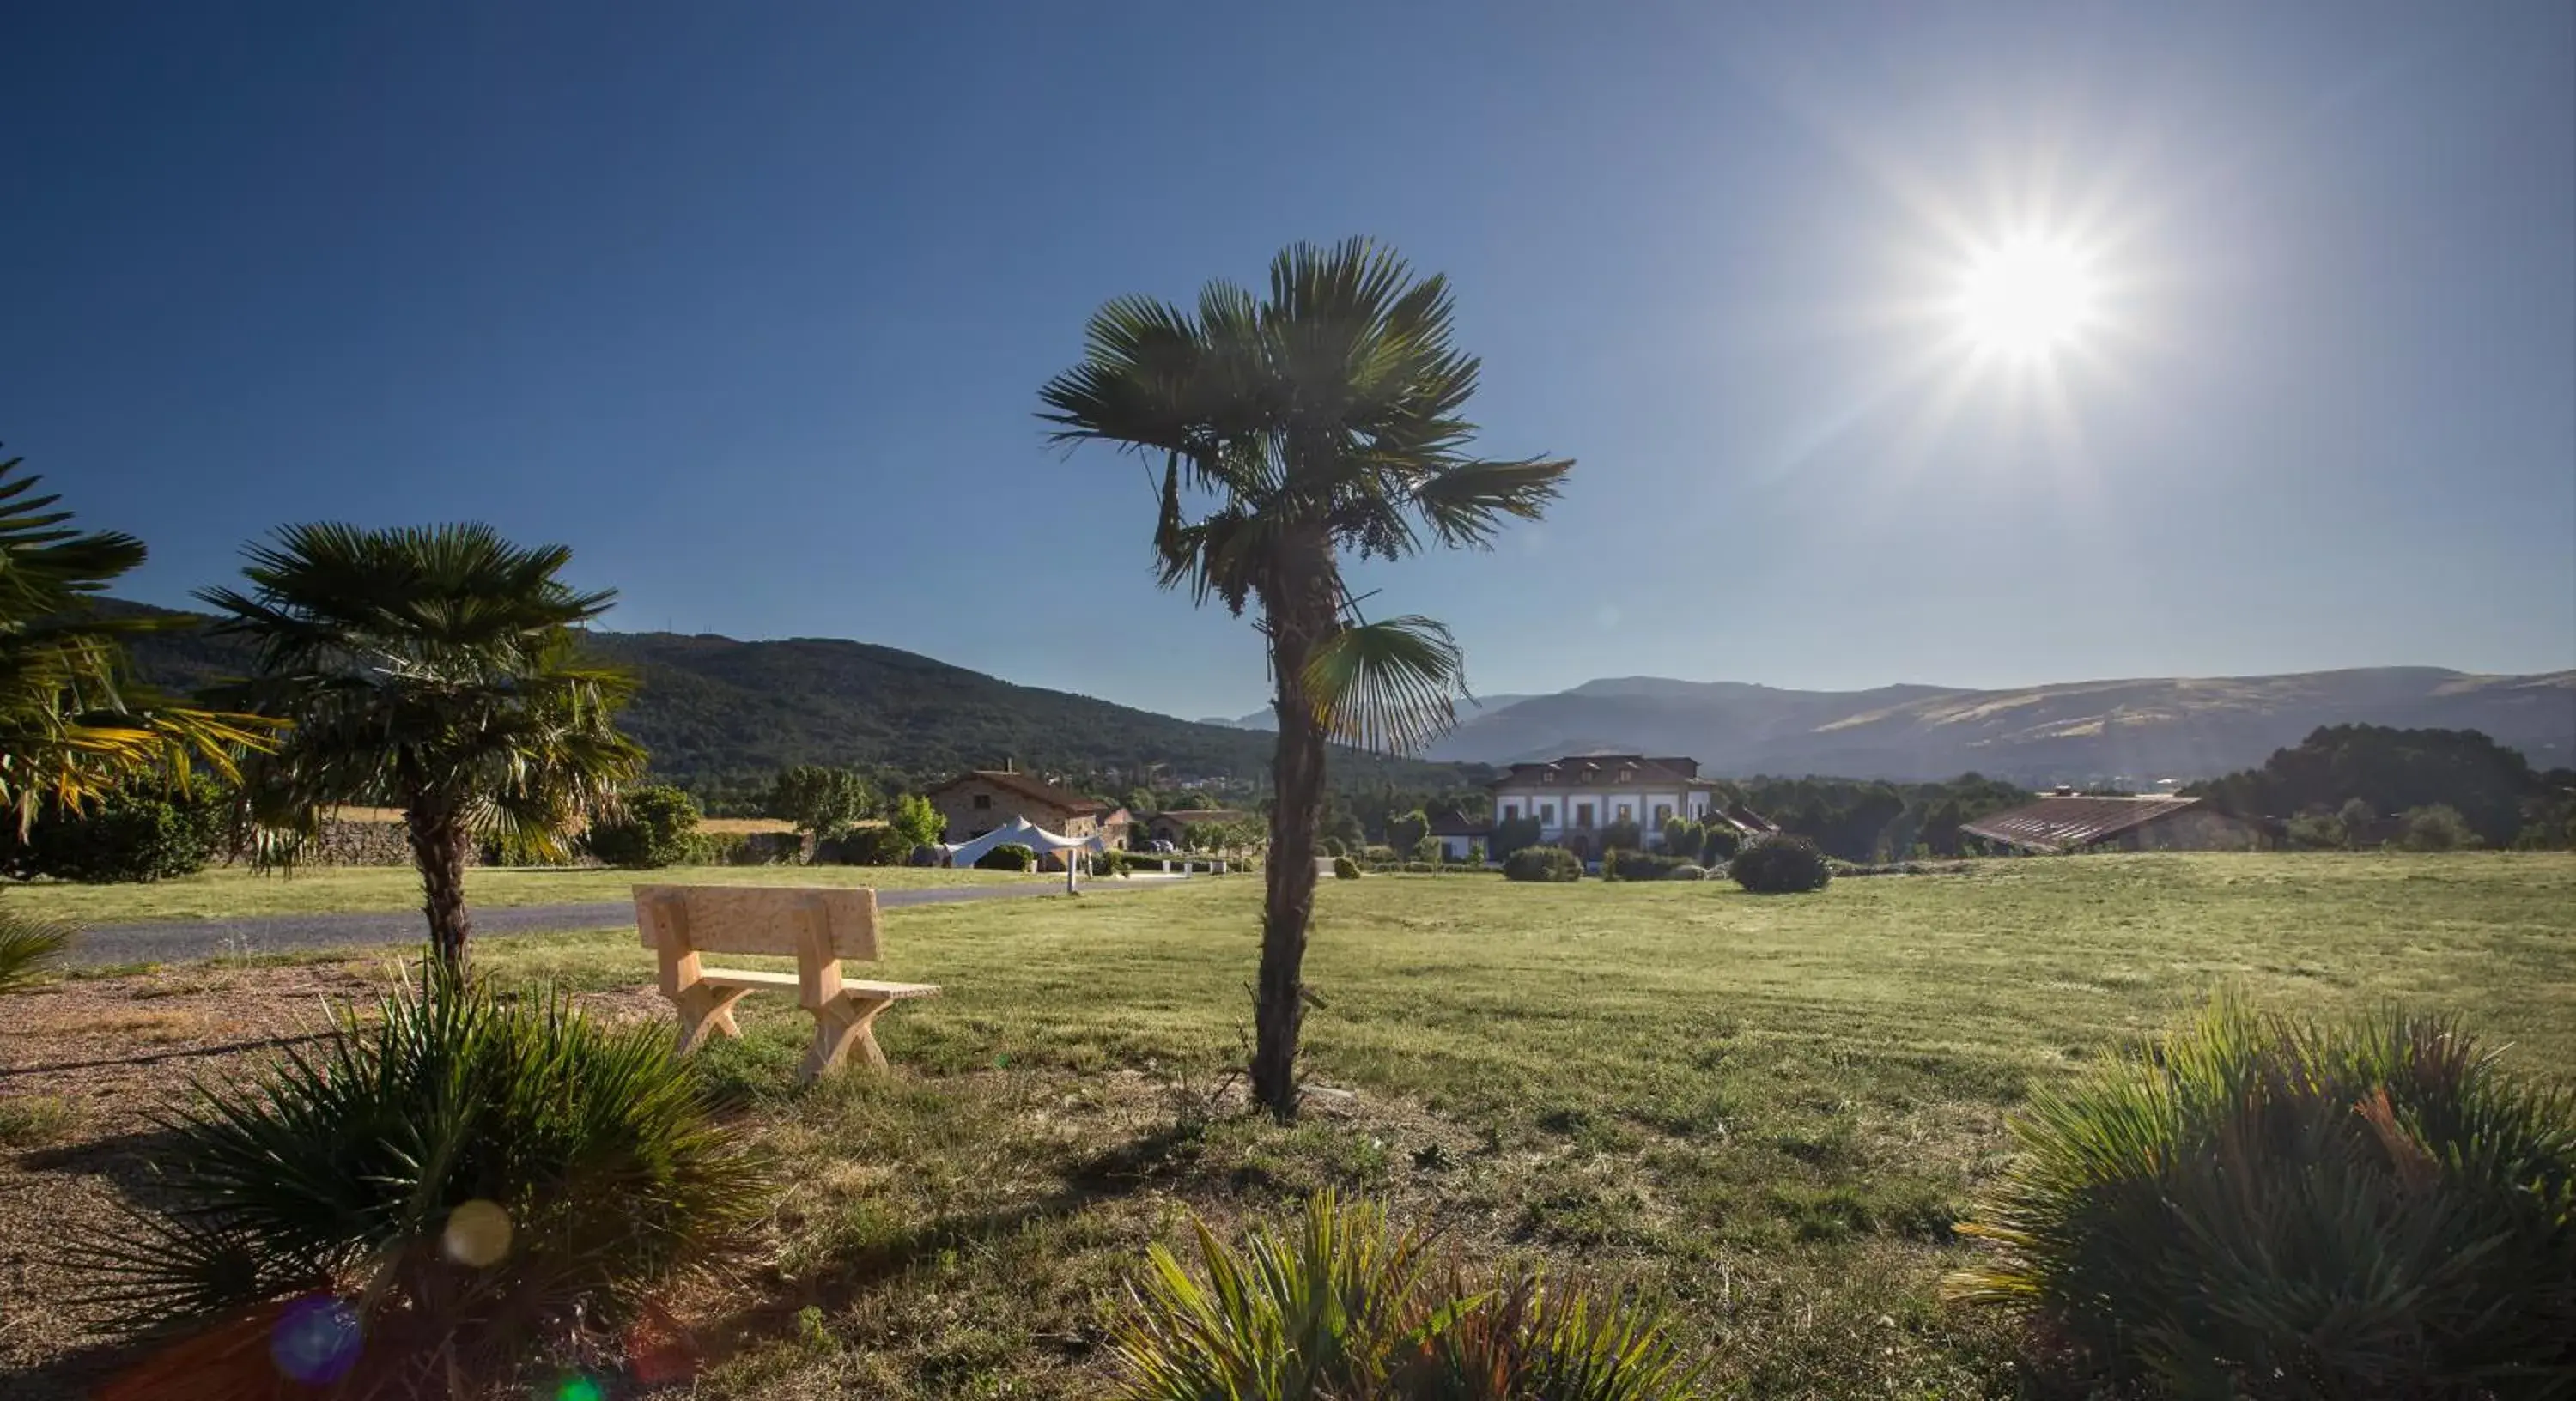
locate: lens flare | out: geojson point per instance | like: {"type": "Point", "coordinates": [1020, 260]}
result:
{"type": "Point", "coordinates": [315, 1341]}
{"type": "Point", "coordinates": [477, 1234]}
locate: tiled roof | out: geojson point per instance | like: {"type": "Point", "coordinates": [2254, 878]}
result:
{"type": "Point", "coordinates": [1061, 799]}
{"type": "Point", "coordinates": [1676, 772]}
{"type": "Point", "coordinates": [2063, 824]}
{"type": "Point", "coordinates": [1454, 823]}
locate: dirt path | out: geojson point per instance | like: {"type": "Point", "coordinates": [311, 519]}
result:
{"type": "Point", "coordinates": [176, 941]}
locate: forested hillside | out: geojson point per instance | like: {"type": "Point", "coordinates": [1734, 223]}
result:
{"type": "Point", "coordinates": [722, 714]}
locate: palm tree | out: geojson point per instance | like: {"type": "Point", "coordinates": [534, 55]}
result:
{"type": "Point", "coordinates": [1321, 420]}
{"type": "Point", "coordinates": [74, 726]}
{"type": "Point", "coordinates": [432, 669]}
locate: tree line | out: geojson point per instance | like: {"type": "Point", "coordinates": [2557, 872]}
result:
{"type": "Point", "coordinates": [2365, 785]}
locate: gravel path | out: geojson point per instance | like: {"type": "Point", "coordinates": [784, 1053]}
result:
{"type": "Point", "coordinates": [172, 941]}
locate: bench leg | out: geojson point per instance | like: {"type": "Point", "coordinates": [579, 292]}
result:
{"type": "Point", "coordinates": [840, 1026]}
{"type": "Point", "coordinates": [704, 1009]}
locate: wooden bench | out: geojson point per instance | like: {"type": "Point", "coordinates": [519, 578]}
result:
{"type": "Point", "coordinates": [818, 927]}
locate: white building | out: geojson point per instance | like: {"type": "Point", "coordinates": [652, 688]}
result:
{"type": "Point", "coordinates": [1575, 797]}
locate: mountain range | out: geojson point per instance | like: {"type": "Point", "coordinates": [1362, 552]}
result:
{"type": "Point", "coordinates": [2144, 729]}
{"type": "Point", "coordinates": [713, 708]}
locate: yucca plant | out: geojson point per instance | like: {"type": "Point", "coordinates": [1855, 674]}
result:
{"type": "Point", "coordinates": [1345, 1307]}
{"type": "Point", "coordinates": [2274, 1208]}
{"type": "Point", "coordinates": [477, 1184]}
{"type": "Point", "coordinates": [28, 948]}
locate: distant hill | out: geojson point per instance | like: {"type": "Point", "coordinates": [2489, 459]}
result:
{"type": "Point", "coordinates": [2173, 727]}
{"type": "Point", "coordinates": [713, 708]}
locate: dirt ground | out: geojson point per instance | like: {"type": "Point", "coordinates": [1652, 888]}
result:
{"type": "Point", "coordinates": [84, 1066]}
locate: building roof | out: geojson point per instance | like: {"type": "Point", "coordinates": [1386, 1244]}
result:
{"type": "Point", "coordinates": [1744, 820]}
{"type": "Point", "coordinates": [1061, 799]}
{"type": "Point", "coordinates": [1453, 823]}
{"type": "Point", "coordinates": [2066, 823]}
{"type": "Point", "coordinates": [1674, 772]}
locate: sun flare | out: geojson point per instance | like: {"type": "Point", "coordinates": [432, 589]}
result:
{"type": "Point", "coordinates": [2026, 297]}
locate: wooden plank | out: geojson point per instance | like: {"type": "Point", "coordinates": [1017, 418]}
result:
{"type": "Point", "coordinates": [864, 988]}
{"type": "Point", "coordinates": [762, 919]}
{"type": "Point", "coordinates": [748, 978]}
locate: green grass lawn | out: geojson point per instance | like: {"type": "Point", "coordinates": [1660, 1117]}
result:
{"type": "Point", "coordinates": [1769, 1110]}
{"type": "Point", "coordinates": [231, 892]}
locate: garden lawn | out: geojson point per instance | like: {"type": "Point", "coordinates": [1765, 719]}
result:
{"type": "Point", "coordinates": [1766, 1111]}
{"type": "Point", "coordinates": [231, 892]}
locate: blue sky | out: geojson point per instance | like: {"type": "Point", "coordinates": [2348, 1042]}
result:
{"type": "Point", "coordinates": [749, 305]}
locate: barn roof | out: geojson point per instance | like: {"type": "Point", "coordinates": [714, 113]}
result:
{"type": "Point", "coordinates": [2066, 823]}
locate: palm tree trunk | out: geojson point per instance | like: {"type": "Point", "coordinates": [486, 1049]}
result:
{"type": "Point", "coordinates": [1299, 621]}
{"type": "Point", "coordinates": [439, 842]}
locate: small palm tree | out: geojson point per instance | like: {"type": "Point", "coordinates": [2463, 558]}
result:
{"type": "Point", "coordinates": [1320, 420]}
{"type": "Point", "coordinates": [73, 725]}
{"type": "Point", "coordinates": [432, 669]}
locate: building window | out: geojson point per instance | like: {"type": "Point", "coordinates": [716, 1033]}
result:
{"type": "Point", "coordinates": [1547, 814]}
{"type": "Point", "coordinates": [1547, 778]}
{"type": "Point", "coordinates": [1511, 812]}
{"type": "Point", "coordinates": [1625, 812]}
{"type": "Point", "coordinates": [1663, 813]}
{"type": "Point", "coordinates": [1589, 775]}
{"type": "Point", "coordinates": [1583, 816]}
{"type": "Point", "coordinates": [983, 800]}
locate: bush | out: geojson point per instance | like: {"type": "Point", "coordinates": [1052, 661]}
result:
{"type": "Point", "coordinates": [129, 837]}
{"type": "Point", "coordinates": [1639, 865]}
{"type": "Point", "coordinates": [2277, 1209]}
{"type": "Point", "coordinates": [1623, 835]}
{"type": "Point", "coordinates": [1344, 868]}
{"type": "Point", "coordinates": [2317, 831]}
{"type": "Point", "coordinates": [1687, 871]}
{"type": "Point", "coordinates": [1512, 834]}
{"type": "Point", "coordinates": [658, 826]}
{"type": "Point", "coordinates": [1542, 863]}
{"type": "Point", "coordinates": [1420, 868]}
{"type": "Point", "coordinates": [1009, 856]}
{"type": "Point", "coordinates": [1379, 855]}
{"type": "Point", "coordinates": [2437, 828]}
{"type": "Point", "coordinates": [874, 845]}
{"type": "Point", "coordinates": [1780, 866]}
{"type": "Point", "coordinates": [29, 947]}
{"type": "Point", "coordinates": [1722, 846]}
{"type": "Point", "coordinates": [469, 1185]}
{"type": "Point", "coordinates": [1345, 1306]}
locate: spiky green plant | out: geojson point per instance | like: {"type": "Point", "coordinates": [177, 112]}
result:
{"type": "Point", "coordinates": [29, 947]}
{"type": "Point", "coordinates": [1345, 1307]}
{"type": "Point", "coordinates": [341, 1170]}
{"type": "Point", "coordinates": [2276, 1208]}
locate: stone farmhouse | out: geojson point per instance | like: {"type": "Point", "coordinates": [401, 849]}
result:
{"type": "Point", "coordinates": [979, 800]}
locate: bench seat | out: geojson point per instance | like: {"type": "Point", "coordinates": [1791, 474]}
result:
{"type": "Point", "coordinates": [791, 982]}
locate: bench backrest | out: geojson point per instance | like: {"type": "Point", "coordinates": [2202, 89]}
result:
{"type": "Point", "coordinates": [758, 919]}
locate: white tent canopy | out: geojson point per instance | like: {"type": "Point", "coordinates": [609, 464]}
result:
{"type": "Point", "coordinates": [1021, 832]}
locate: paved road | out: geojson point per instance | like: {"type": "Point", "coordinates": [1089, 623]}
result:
{"type": "Point", "coordinates": [174, 941]}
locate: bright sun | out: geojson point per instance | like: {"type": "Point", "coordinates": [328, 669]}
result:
{"type": "Point", "coordinates": [2026, 298]}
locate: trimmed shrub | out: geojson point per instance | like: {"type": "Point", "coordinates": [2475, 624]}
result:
{"type": "Point", "coordinates": [1639, 865]}
{"type": "Point", "coordinates": [1542, 863]}
{"type": "Point", "coordinates": [130, 837]}
{"type": "Point", "coordinates": [2438, 827]}
{"type": "Point", "coordinates": [1684, 838]}
{"type": "Point", "coordinates": [1687, 871]}
{"type": "Point", "coordinates": [1421, 868]}
{"type": "Point", "coordinates": [1623, 835]}
{"type": "Point", "coordinates": [1343, 1305]}
{"type": "Point", "coordinates": [658, 826]}
{"type": "Point", "coordinates": [875, 845]}
{"type": "Point", "coordinates": [470, 1186]}
{"type": "Point", "coordinates": [29, 947]}
{"type": "Point", "coordinates": [1344, 868]}
{"type": "Point", "coordinates": [1780, 866]}
{"type": "Point", "coordinates": [1512, 834]}
{"type": "Point", "coordinates": [2274, 1208]}
{"type": "Point", "coordinates": [1379, 855]}
{"type": "Point", "coordinates": [1009, 856]}
{"type": "Point", "coordinates": [2317, 831]}
{"type": "Point", "coordinates": [1722, 845]}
